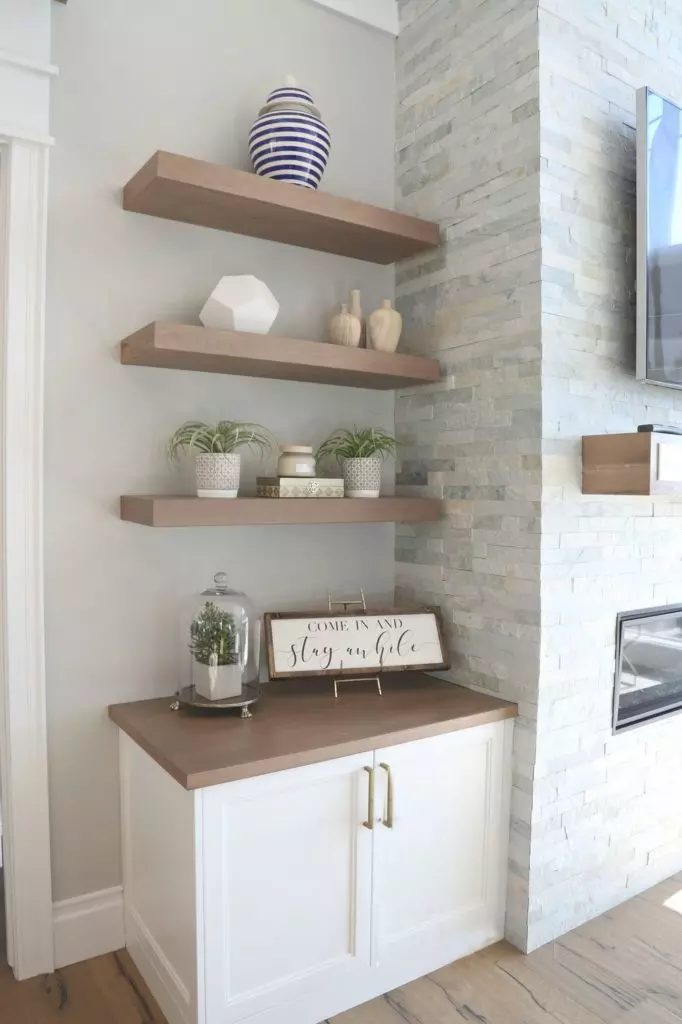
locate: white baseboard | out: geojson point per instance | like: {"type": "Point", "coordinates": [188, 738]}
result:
{"type": "Point", "coordinates": [163, 981]}
{"type": "Point", "coordinates": [88, 926]}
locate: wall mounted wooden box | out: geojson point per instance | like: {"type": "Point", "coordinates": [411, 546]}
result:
{"type": "Point", "coordinates": [645, 463]}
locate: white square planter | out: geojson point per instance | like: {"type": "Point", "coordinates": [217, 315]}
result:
{"type": "Point", "coordinates": [217, 682]}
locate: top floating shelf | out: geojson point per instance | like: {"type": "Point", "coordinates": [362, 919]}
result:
{"type": "Point", "coordinates": [196, 192]}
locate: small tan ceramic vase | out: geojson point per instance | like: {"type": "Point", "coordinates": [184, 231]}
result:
{"type": "Point", "coordinates": [383, 328]}
{"type": "Point", "coordinates": [356, 310]}
{"type": "Point", "coordinates": [345, 329]}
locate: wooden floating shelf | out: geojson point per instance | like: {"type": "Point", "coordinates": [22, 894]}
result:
{"type": "Point", "coordinates": [181, 347]}
{"type": "Point", "coordinates": [182, 188]}
{"type": "Point", "coordinates": [169, 510]}
{"type": "Point", "coordinates": [638, 463]}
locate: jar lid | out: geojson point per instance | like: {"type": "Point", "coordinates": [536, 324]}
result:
{"type": "Point", "coordinates": [290, 95]}
{"type": "Point", "coordinates": [290, 92]}
{"type": "Point", "coordinates": [298, 449]}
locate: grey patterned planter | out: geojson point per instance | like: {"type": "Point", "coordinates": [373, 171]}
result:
{"type": "Point", "coordinates": [362, 478]}
{"type": "Point", "coordinates": [217, 475]}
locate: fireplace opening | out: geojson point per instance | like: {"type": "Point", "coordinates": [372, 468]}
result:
{"type": "Point", "coordinates": [648, 682]}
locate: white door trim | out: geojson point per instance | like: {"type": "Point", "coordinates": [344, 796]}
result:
{"type": "Point", "coordinates": [24, 157]}
{"type": "Point", "coordinates": [23, 733]}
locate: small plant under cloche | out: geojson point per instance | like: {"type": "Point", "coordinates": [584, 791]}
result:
{"type": "Point", "coordinates": [214, 637]}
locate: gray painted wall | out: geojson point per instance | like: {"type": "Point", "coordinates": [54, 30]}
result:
{"type": "Point", "coordinates": [190, 78]}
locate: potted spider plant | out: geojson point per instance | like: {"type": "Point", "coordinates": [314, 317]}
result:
{"type": "Point", "coordinates": [217, 464]}
{"type": "Point", "coordinates": [216, 662]}
{"type": "Point", "coordinates": [361, 452]}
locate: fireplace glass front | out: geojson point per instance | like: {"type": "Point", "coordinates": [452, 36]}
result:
{"type": "Point", "coordinates": [648, 681]}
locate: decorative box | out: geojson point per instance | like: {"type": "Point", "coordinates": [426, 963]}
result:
{"type": "Point", "coordinates": [299, 487]}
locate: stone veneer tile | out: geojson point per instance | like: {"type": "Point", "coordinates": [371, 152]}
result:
{"type": "Point", "coordinates": [468, 157]}
{"type": "Point", "coordinates": [622, 835]}
{"type": "Point", "coordinates": [515, 132]}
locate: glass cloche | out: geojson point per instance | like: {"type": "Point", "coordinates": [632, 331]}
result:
{"type": "Point", "coordinates": [224, 642]}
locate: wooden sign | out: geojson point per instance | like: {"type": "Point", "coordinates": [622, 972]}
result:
{"type": "Point", "coordinates": [324, 644]}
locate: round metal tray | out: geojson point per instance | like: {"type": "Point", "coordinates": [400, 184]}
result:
{"type": "Point", "coordinates": [189, 698]}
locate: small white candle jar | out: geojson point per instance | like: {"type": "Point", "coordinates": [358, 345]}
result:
{"type": "Point", "coordinates": [296, 460]}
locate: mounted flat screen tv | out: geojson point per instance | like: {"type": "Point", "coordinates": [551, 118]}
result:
{"type": "Point", "coordinates": [659, 240]}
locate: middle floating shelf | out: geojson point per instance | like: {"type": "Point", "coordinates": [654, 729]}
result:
{"type": "Point", "coordinates": [184, 347]}
{"type": "Point", "coordinates": [186, 510]}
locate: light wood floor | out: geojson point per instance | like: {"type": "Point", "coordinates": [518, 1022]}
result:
{"type": "Point", "coordinates": [623, 968]}
{"type": "Point", "coordinates": [2, 915]}
{"type": "Point", "coordinates": [106, 990]}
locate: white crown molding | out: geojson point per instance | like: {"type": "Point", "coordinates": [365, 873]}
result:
{"type": "Point", "coordinates": [28, 64]}
{"type": "Point", "coordinates": [25, 98]}
{"type": "Point", "coordinates": [88, 926]}
{"type": "Point", "coordinates": [381, 14]}
{"type": "Point", "coordinates": [8, 132]}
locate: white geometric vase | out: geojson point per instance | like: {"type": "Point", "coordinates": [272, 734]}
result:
{"type": "Point", "coordinates": [217, 475]}
{"type": "Point", "coordinates": [362, 478]}
{"type": "Point", "coordinates": [240, 303]}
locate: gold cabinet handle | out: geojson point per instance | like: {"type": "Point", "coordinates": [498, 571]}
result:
{"type": "Point", "coordinates": [388, 820]}
{"type": "Point", "coordinates": [370, 799]}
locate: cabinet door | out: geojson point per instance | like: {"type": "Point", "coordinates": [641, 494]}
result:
{"type": "Point", "coordinates": [440, 871]}
{"type": "Point", "coordinates": [286, 890]}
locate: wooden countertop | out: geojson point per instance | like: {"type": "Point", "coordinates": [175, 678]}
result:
{"type": "Point", "coordinates": [298, 722]}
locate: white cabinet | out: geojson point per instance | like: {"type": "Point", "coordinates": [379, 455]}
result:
{"type": "Point", "coordinates": [287, 886]}
{"type": "Point", "coordinates": [440, 870]}
{"type": "Point", "coordinates": [287, 898]}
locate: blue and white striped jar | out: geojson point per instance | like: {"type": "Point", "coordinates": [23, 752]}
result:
{"type": "Point", "coordinates": [289, 140]}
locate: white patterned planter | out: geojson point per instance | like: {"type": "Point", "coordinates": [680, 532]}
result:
{"type": "Point", "coordinates": [217, 682]}
{"type": "Point", "coordinates": [362, 478]}
{"type": "Point", "coordinates": [217, 475]}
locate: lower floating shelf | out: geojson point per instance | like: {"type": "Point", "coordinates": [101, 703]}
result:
{"type": "Point", "coordinates": [171, 510]}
